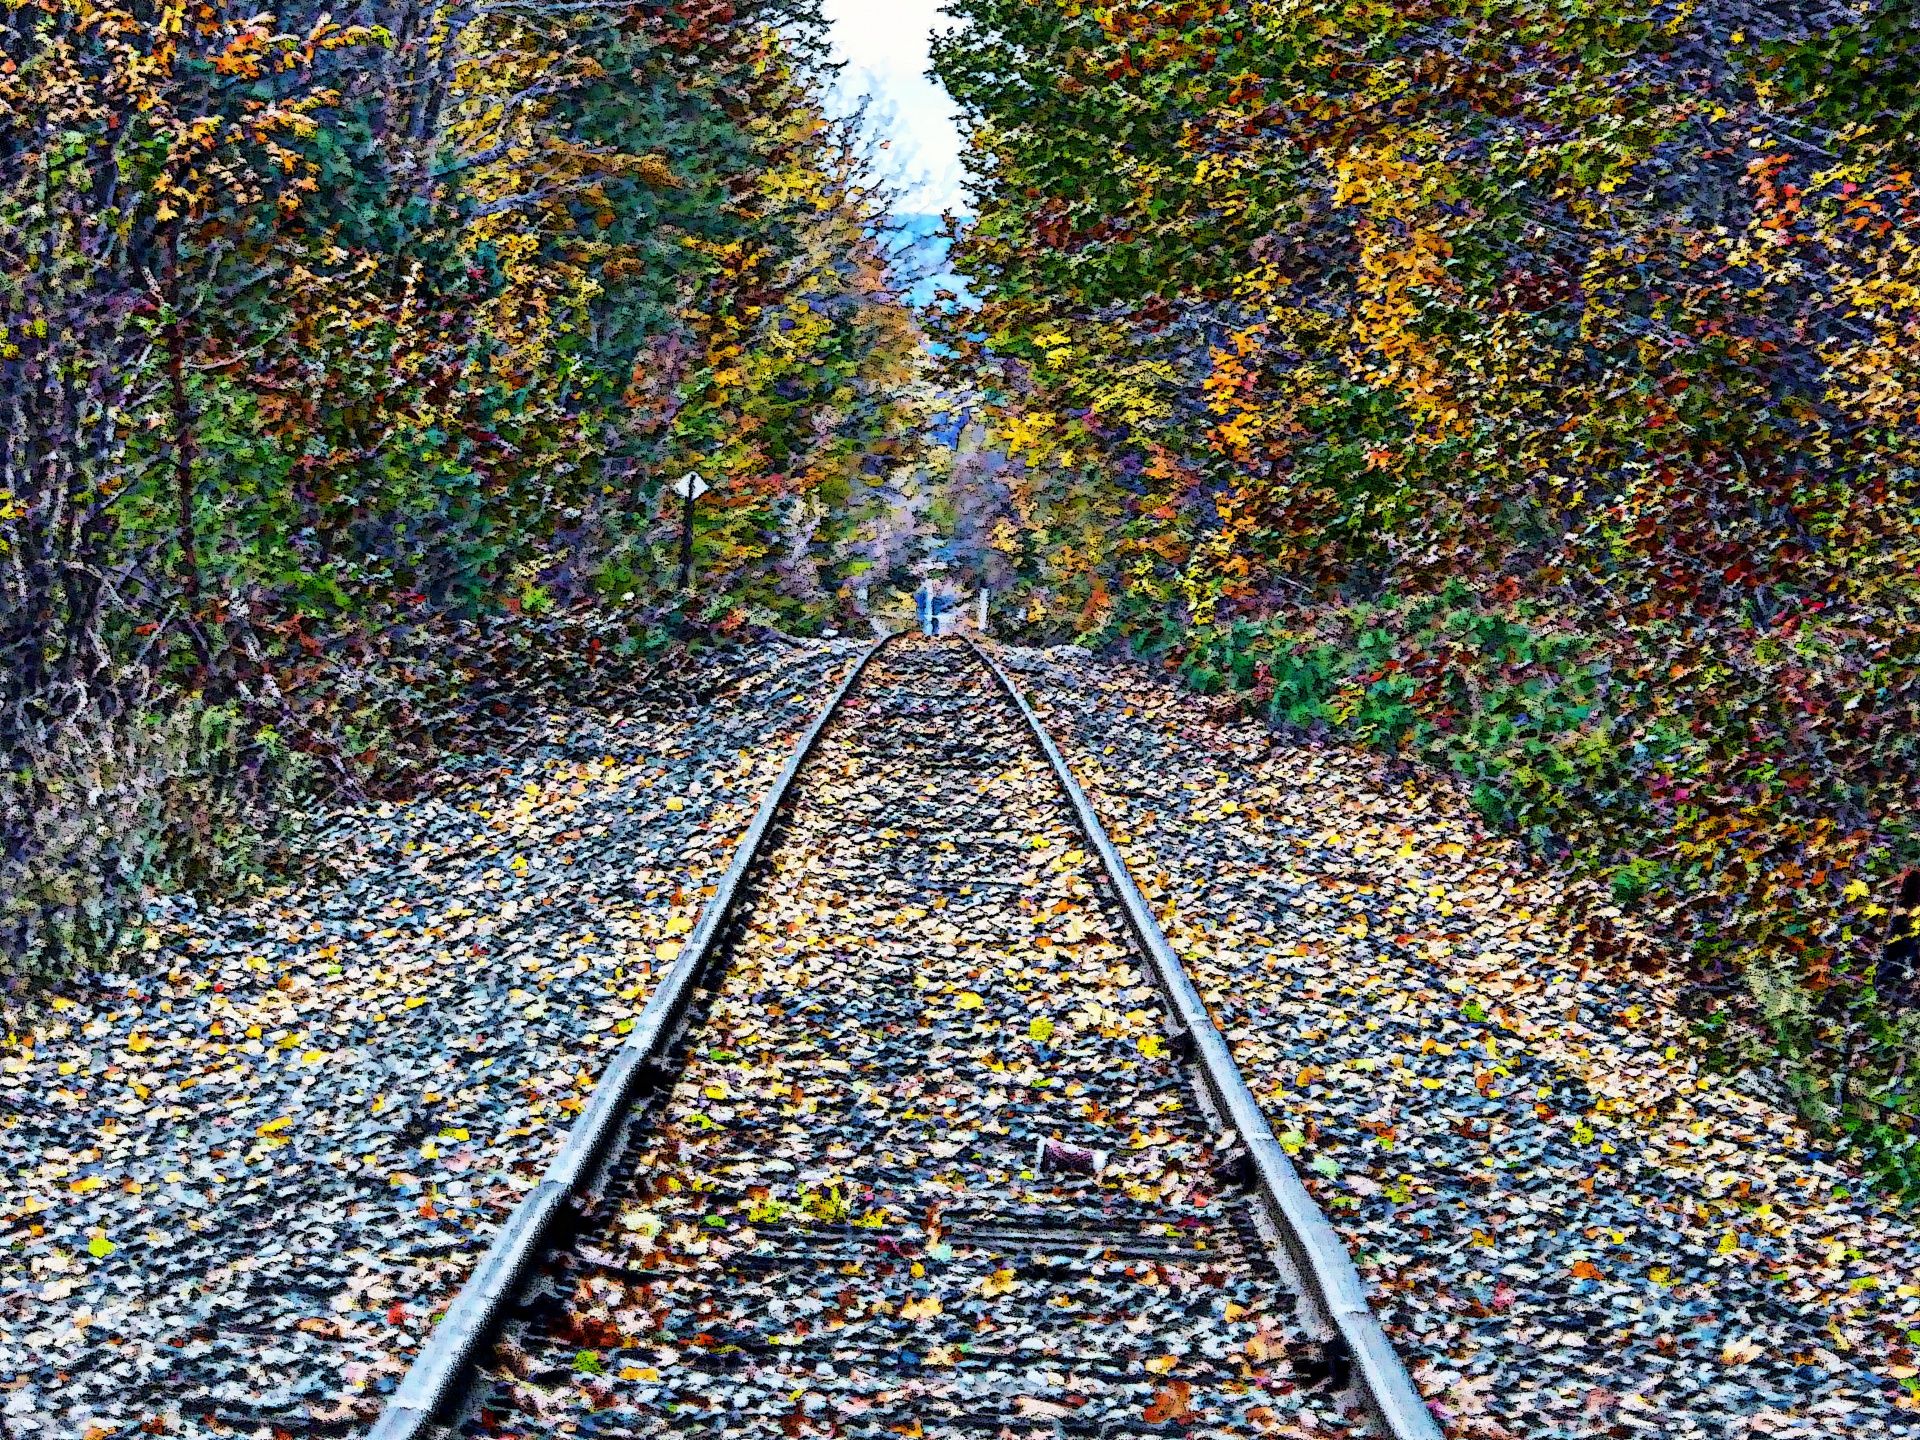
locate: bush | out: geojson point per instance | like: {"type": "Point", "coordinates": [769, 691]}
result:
{"type": "Point", "coordinates": [1666, 793]}
{"type": "Point", "coordinates": [102, 811]}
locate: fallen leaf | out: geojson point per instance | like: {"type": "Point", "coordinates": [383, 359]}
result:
{"type": "Point", "coordinates": [1000, 1282]}
{"type": "Point", "coordinates": [1172, 1401]}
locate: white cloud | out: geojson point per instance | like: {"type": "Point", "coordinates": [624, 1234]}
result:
{"type": "Point", "coordinates": [885, 44]}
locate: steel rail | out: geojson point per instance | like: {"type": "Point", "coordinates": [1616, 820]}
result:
{"type": "Point", "coordinates": [475, 1316]}
{"type": "Point", "coordinates": [1330, 1285]}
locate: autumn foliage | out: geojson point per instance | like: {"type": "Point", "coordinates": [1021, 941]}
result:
{"type": "Point", "coordinates": [322, 329]}
{"type": "Point", "coordinates": [1531, 388]}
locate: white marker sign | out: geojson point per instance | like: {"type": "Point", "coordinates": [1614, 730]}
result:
{"type": "Point", "coordinates": [690, 486]}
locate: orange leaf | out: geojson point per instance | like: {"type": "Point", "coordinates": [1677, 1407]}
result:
{"type": "Point", "coordinates": [1170, 1402]}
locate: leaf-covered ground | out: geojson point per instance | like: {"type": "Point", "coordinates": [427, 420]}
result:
{"type": "Point", "coordinates": [844, 1221]}
{"type": "Point", "coordinates": [246, 1180]}
{"type": "Point", "coordinates": [243, 1181]}
{"type": "Point", "coordinates": [1575, 1227]}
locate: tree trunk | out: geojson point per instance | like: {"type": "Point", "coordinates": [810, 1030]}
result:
{"type": "Point", "coordinates": [182, 409]}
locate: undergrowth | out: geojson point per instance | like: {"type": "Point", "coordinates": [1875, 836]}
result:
{"type": "Point", "coordinates": [1655, 796]}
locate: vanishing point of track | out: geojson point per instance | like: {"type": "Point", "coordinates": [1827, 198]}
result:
{"type": "Point", "coordinates": [926, 1133]}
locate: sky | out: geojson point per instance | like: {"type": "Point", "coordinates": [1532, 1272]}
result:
{"type": "Point", "coordinates": [885, 46]}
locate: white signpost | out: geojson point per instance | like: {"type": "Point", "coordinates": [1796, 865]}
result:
{"type": "Point", "coordinates": [689, 487]}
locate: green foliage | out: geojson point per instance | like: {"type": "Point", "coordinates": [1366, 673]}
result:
{"type": "Point", "coordinates": [108, 808]}
{"type": "Point", "coordinates": [1527, 388]}
{"type": "Point", "coordinates": [313, 336]}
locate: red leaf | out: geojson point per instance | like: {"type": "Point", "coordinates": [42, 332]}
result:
{"type": "Point", "coordinates": [1170, 1402]}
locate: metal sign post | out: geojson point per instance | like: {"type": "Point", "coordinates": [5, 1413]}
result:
{"type": "Point", "coordinates": [689, 487]}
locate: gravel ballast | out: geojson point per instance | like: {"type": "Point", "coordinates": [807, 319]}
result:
{"type": "Point", "coordinates": [1571, 1225]}
{"type": "Point", "coordinates": [933, 1168]}
{"type": "Point", "coordinates": [241, 1182]}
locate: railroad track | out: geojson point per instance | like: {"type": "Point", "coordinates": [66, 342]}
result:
{"type": "Point", "coordinates": [924, 1133]}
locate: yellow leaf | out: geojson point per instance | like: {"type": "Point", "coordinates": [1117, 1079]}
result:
{"type": "Point", "coordinates": [1162, 1364]}
{"type": "Point", "coordinates": [676, 803]}
{"type": "Point", "coordinates": [1000, 1282]}
{"type": "Point", "coordinates": [967, 1000]}
{"type": "Point", "coordinates": [667, 950]}
{"type": "Point", "coordinates": [1153, 1046]}
{"type": "Point", "coordinates": [1856, 890]}
{"type": "Point", "coordinates": [1040, 1028]}
{"type": "Point", "coordinates": [922, 1309]}
{"type": "Point", "coordinates": [655, 171]}
{"type": "Point", "coordinates": [274, 1127]}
